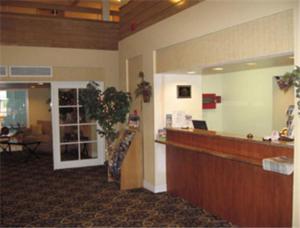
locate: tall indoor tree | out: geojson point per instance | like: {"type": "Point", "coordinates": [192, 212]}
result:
{"type": "Point", "coordinates": [108, 108]}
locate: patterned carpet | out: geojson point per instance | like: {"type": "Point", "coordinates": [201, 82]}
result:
{"type": "Point", "coordinates": [32, 194]}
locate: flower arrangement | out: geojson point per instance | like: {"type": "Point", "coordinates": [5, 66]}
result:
{"type": "Point", "coordinates": [144, 89]}
{"type": "Point", "coordinates": [289, 79]}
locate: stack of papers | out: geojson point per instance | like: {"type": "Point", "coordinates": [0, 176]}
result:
{"type": "Point", "coordinates": [281, 164]}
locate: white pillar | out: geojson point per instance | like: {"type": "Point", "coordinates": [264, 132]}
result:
{"type": "Point", "coordinates": [296, 193]}
{"type": "Point", "coordinates": [105, 10]}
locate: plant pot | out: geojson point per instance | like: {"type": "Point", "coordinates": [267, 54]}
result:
{"type": "Point", "coordinates": [146, 98]}
{"type": "Point", "coordinates": [284, 85]}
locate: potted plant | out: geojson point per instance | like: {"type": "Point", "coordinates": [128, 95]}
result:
{"type": "Point", "coordinates": [143, 89]}
{"type": "Point", "coordinates": [108, 108]}
{"type": "Point", "coordinates": [290, 79]}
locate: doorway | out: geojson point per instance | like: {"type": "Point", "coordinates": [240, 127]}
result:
{"type": "Point", "coordinates": [25, 113]}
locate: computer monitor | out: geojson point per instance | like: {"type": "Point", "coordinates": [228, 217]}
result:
{"type": "Point", "coordinates": [200, 124]}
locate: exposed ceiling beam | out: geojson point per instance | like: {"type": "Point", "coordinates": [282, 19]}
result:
{"type": "Point", "coordinates": [39, 5]}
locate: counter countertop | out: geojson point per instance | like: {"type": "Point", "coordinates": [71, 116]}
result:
{"type": "Point", "coordinates": [234, 136]}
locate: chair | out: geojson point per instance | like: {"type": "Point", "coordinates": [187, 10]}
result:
{"type": "Point", "coordinates": [4, 131]}
{"type": "Point", "coordinates": [4, 138]}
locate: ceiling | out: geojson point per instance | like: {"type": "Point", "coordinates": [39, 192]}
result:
{"type": "Point", "coordinates": [248, 64]}
{"type": "Point", "coordinates": [276, 61]}
{"type": "Point", "coordinates": [79, 9]}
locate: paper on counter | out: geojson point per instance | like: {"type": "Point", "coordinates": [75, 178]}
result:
{"type": "Point", "coordinates": [281, 164]}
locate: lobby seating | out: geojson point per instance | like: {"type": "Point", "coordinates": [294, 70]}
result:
{"type": "Point", "coordinates": [42, 132]}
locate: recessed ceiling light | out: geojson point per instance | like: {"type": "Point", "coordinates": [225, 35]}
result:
{"type": "Point", "coordinates": [251, 64]}
{"type": "Point", "coordinates": [175, 1]}
{"type": "Point", "coordinates": [191, 72]}
{"type": "Point", "coordinates": [291, 57]}
{"type": "Point", "coordinates": [218, 69]}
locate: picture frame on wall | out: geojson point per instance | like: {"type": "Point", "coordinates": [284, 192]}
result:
{"type": "Point", "coordinates": [184, 91]}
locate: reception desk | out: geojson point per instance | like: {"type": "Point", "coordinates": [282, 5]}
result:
{"type": "Point", "coordinates": [223, 174]}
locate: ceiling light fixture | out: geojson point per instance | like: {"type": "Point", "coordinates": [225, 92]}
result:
{"type": "Point", "coordinates": [175, 1]}
{"type": "Point", "coordinates": [218, 68]}
{"type": "Point", "coordinates": [191, 72]}
{"type": "Point", "coordinates": [251, 64]}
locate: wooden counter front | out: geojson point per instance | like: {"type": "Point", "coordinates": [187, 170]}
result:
{"type": "Point", "coordinates": [223, 175]}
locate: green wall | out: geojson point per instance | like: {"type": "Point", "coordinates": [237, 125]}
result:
{"type": "Point", "coordinates": [251, 101]}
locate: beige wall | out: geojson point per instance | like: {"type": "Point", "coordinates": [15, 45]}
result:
{"type": "Point", "coordinates": [191, 106]}
{"type": "Point", "coordinates": [231, 44]}
{"type": "Point", "coordinates": [204, 18]}
{"type": "Point", "coordinates": [38, 107]}
{"type": "Point", "coordinates": [135, 65]}
{"type": "Point", "coordinates": [68, 64]}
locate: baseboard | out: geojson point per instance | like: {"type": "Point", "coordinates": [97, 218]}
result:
{"type": "Point", "coordinates": [160, 188]}
{"type": "Point", "coordinates": [148, 186]}
{"type": "Point", "coordinates": [155, 189]}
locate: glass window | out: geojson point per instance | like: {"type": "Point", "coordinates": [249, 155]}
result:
{"type": "Point", "coordinates": [3, 104]}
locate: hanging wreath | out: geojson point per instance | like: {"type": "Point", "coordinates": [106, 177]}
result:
{"type": "Point", "coordinates": [144, 89]}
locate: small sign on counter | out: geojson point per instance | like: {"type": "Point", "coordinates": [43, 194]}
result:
{"type": "Point", "coordinates": [282, 164]}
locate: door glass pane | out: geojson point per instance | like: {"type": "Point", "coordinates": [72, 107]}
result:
{"type": "Point", "coordinates": [88, 133]}
{"type": "Point", "coordinates": [67, 96]}
{"type": "Point", "coordinates": [68, 134]}
{"type": "Point", "coordinates": [67, 115]}
{"type": "Point", "coordinates": [69, 152]}
{"type": "Point", "coordinates": [88, 150]}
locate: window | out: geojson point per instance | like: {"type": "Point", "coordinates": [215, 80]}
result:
{"type": "Point", "coordinates": [13, 108]}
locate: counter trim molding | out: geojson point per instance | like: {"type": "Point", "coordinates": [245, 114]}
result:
{"type": "Point", "coordinates": [213, 153]}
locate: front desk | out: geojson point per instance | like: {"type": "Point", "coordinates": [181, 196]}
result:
{"type": "Point", "coordinates": [223, 174]}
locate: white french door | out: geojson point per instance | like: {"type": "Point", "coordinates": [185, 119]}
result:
{"type": "Point", "coordinates": [75, 139]}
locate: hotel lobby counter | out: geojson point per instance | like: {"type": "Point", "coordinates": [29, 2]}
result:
{"type": "Point", "coordinates": [223, 174]}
